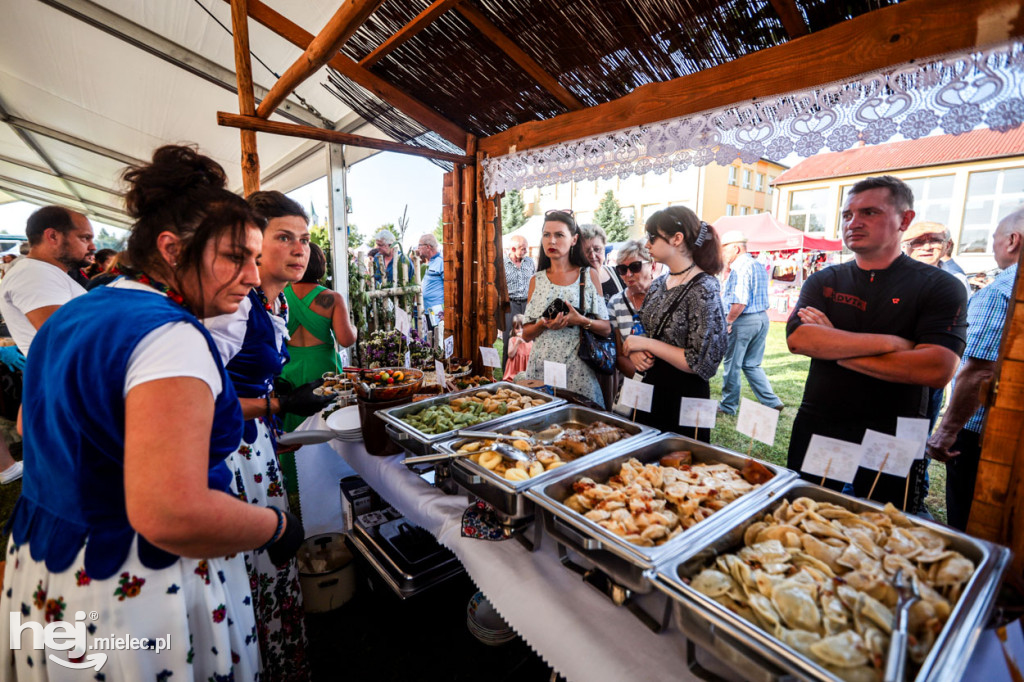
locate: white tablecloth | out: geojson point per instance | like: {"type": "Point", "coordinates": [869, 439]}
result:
{"type": "Point", "coordinates": [573, 627]}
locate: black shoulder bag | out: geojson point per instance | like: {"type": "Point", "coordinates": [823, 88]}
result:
{"type": "Point", "coordinates": [597, 351]}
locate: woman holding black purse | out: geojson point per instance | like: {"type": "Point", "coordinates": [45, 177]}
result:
{"type": "Point", "coordinates": [556, 310]}
{"type": "Point", "coordinates": [684, 339]}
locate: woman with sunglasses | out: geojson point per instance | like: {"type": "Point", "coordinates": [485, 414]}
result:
{"type": "Point", "coordinates": [560, 270]}
{"type": "Point", "coordinates": [684, 336]}
{"type": "Point", "coordinates": [125, 513]}
{"type": "Point", "coordinates": [636, 269]}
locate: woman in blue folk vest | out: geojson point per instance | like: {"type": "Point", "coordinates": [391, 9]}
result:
{"type": "Point", "coordinates": [252, 343]}
{"type": "Point", "coordinates": [125, 526]}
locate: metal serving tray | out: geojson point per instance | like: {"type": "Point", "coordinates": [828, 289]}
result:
{"type": "Point", "coordinates": [755, 654]}
{"type": "Point", "coordinates": [623, 561]}
{"type": "Point", "coordinates": [416, 442]}
{"type": "Point", "coordinates": [507, 496]}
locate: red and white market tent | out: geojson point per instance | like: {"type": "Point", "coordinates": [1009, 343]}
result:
{"type": "Point", "coordinates": [765, 233]}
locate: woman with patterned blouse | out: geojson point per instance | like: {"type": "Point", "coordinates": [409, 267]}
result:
{"type": "Point", "coordinates": [685, 337]}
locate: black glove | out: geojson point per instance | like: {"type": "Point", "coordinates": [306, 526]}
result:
{"type": "Point", "coordinates": [302, 401]}
{"type": "Point", "coordinates": [288, 544]}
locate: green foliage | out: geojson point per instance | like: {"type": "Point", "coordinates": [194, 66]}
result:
{"type": "Point", "coordinates": [513, 212]}
{"type": "Point", "coordinates": [609, 218]}
{"type": "Point", "coordinates": [355, 237]}
{"type": "Point", "coordinates": [106, 240]}
{"type": "Point", "coordinates": [439, 229]}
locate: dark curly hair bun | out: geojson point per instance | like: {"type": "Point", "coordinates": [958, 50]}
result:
{"type": "Point", "coordinates": [177, 175]}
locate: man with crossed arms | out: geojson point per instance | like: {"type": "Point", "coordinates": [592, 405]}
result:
{"type": "Point", "coordinates": [879, 330]}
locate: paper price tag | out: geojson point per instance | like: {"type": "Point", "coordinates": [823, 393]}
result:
{"type": "Point", "coordinates": [449, 346]}
{"type": "Point", "coordinates": [490, 356]}
{"type": "Point", "coordinates": [636, 395]}
{"type": "Point", "coordinates": [836, 460]}
{"type": "Point", "coordinates": [554, 374]}
{"type": "Point", "coordinates": [408, 359]}
{"type": "Point", "coordinates": [757, 421]}
{"type": "Point", "coordinates": [698, 412]}
{"type": "Point", "coordinates": [439, 371]}
{"type": "Point", "coordinates": [402, 322]}
{"type": "Point", "coordinates": [343, 355]}
{"type": "Point", "coordinates": [916, 430]}
{"type": "Point", "coordinates": [897, 454]}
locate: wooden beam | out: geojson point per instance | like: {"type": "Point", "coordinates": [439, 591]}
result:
{"type": "Point", "coordinates": [292, 130]}
{"type": "Point", "coordinates": [246, 97]}
{"type": "Point", "coordinates": [346, 21]}
{"type": "Point", "coordinates": [525, 61]}
{"type": "Point", "coordinates": [910, 30]}
{"type": "Point", "coordinates": [420, 22]}
{"type": "Point", "coordinates": [791, 18]}
{"type": "Point", "coordinates": [346, 66]}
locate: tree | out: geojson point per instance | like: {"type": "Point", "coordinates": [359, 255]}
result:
{"type": "Point", "coordinates": [107, 240]}
{"type": "Point", "coordinates": [355, 238]}
{"type": "Point", "coordinates": [609, 217]}
{"type": "Point", "coordinates": [439, 229]}
{"type": "Point", "coordinates": [513, 212]}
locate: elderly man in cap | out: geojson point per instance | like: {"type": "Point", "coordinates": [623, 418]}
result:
{"type": "Point", "coordinates": [928, 243]}
{"type": "Point", "coordinates": [384, 241]}
{"type": "Point", "coordinates": [745, 296]}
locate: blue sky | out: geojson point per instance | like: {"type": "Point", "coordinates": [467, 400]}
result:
{"type": "Point", "coordinates": [380, 187]}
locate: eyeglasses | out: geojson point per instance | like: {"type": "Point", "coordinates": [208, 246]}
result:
{"type": "Point", "coordinates": [635, 267]}
{"type": "Point", "coordinates": [925, 241]}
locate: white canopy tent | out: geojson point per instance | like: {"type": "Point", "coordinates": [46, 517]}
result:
{"type": "Point", "coordinates": [88, 87]}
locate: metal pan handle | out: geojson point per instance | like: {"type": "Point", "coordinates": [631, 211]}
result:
{"type": "Point", "coordinates": [394, 434]}
{"type": "Point", "coordinates": [572, 534]}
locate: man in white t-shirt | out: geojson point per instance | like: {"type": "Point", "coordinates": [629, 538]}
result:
{"type": "Point", "coordinates": [38, 284]}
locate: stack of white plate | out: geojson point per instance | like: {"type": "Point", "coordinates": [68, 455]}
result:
{"type": "Point", "coordinates": [485, 624]}
{"type": "Point", "coordinates": [345, 424]}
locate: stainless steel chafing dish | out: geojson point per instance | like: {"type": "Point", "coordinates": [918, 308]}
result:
{"type": "Point", "coordinates": [416, 442]}
{"type": "Point", "coordinates": [755, 654]}
{"type": "Point", "coordinates": [622, 561]}
{"type": "Point", "coordinates": [507, 496]}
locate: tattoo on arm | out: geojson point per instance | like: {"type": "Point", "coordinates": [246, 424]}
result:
{"type": "Point", "coordinates": [325, 300]}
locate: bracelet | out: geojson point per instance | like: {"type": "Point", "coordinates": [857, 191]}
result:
{"type": "Point", "coordinates": [278, 532]}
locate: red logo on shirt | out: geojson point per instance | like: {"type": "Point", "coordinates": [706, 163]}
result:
{"type": "Point", "coordinates": [848, 299]}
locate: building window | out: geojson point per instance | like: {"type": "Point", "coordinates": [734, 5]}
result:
{"type": "Point", "coordinates": [730, 209]}
{"type": "Point", "coordinates": [648, 210]}
{"type": "Point", "coordinates": [628, 214]}
{"type": "Point", "coordinates": [808, 209]}
{"type": "Point", "coordinates": [770, 189]}
{"type": "Point", "coordinates": [744, 210]}
{"type": "Point", "coordinates": [991, 196]}
{"type": "Point", "coordinates": [732, 175]}
{"type": "Point", "coordinates": [932, 197]}
{"type": "Point", "coordinates": [760, 182]}
{"type": "Point", "coordinates": [746, 179]}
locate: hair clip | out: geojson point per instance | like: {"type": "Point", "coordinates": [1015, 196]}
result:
{"type": "Point", "coordinates": [699, 242]}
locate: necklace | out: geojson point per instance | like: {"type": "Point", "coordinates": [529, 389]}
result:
{"type": "Point", "coordinates": [143, 278]}
{"type": "Point", "coordinates": [282, 310]}
{"type": "Point", "coordinates": [684, 270]}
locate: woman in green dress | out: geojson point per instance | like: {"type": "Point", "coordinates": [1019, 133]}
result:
{"type": "Point", "coordinates": [317, 317]}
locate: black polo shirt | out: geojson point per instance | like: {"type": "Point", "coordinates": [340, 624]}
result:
{"type": "Point", "coordinates": [908, 299]}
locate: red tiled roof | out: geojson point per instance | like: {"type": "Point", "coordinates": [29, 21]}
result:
{"type": "Point", "coordinates": [928, 151]}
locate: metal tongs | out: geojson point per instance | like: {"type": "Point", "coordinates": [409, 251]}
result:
{"type": "Point", "coordinates": [908, 594]}
{"type": "Point", "coordinates": [500, 448]}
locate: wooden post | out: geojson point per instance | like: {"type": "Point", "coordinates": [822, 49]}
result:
{"type": "Point", "coordinates": [997, 512]}
{"type": "Point", "coordinates": [465, 304]}
{"type": "Point", "coordinates": [452, 261]}
{"type": "Point", "coordinates": [246, 98]}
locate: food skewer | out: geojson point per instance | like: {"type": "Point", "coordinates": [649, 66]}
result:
{"type": "Point", "coordinates": [828, 465]}
{"type": "Point", "coordinates": [878, 475]}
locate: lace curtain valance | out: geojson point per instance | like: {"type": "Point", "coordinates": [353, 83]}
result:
{"type": "Point", "coordinates": [952, 95]}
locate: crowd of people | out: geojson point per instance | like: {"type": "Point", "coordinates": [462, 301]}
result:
{"type": "Point", "coordinates": [153, 493]}
{"type": "Point", "coordinates": [885, 332]}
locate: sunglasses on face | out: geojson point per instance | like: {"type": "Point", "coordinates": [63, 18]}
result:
{"type": "Point", "coordinates": [635, 267]}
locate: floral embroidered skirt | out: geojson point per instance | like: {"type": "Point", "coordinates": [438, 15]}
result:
{"type": "Point", "coordinates": [277, 597]}
{"type": "Point", "coordinates": [197, 612]}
